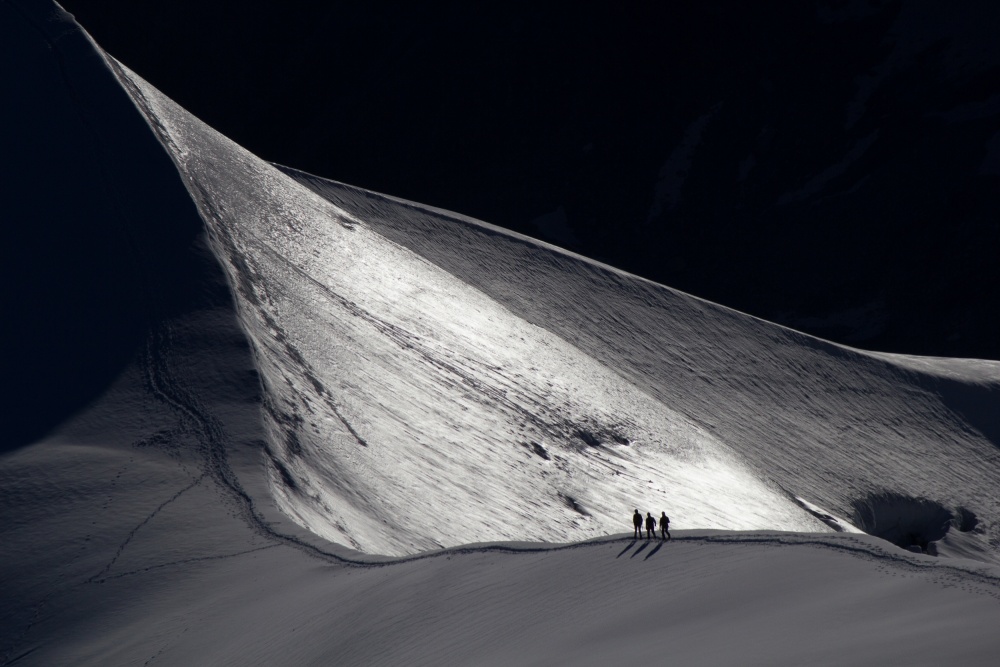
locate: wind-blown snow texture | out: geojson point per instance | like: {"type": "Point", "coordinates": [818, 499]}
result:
{"type": "Point", "coordinates": [394, 378]}
{"type": "Point", "coordinates": [432, 380]}
{"type": "Point", "coordinates": [410, 410]}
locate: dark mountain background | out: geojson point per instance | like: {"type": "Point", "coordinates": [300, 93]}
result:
{"type": "Point", "coordinates": [832, 166]}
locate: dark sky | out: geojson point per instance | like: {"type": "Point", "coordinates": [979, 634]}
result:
{"type": "Point", "coordinates": [827, 165]}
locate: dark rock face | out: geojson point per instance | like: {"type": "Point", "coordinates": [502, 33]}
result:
{"type": "Point", "coordinates": [833, 166]}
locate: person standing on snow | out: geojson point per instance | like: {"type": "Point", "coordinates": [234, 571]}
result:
{"type": "Point", "coordinates": [650, 526]}
{"type": "Point", "coordinates": [637, 522]}
{"type": "Point", "coordinates": [664, 526]}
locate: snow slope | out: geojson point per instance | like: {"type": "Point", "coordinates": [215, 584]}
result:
{"type": "Point", "coordinates": [305, 374]}
{"type": "Point", "coordinates": [430, 380]}
{"type": "Point", "coordinates": [410, 410]}
{"type": "Point", "coordinates": [757, 599]}
{"type": "Point", "coordinates": [861, 434]}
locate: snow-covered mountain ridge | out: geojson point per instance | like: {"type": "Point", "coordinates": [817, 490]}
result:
{"type": "Point", "coordinates": [432, 380]}
{"type": "Point", "coordinates": [852, 145]}
{"type": "Point", "coordinates": [388, 376]}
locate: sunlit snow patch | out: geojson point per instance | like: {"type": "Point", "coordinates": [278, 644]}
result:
{"type": "Point", "coordinates": [408, 410]}
{"type": "Point", "coordinates": [837, 523]}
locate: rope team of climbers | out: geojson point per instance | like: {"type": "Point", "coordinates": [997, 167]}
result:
{"type": "Point", "coordinates": [651, 525]}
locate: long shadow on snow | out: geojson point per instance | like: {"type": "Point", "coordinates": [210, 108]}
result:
{"type": "Point", "coordinates": [627, 547]}
{"type": "Point", "coordinates": [642, 547]}
{"type": "Point", "coordinates": [654, 551]}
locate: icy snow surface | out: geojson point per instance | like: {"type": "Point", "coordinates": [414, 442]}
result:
{"type": "Point", "coordinates": [410, 410]}
{"type": "Point", "coordinates": [413, 377]}
{"type": "Point", "coordinates": [432, 380]}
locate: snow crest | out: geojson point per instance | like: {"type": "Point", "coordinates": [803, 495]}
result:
{"type": "Point", "coordinates": [408, 410]}
{"type": "Point", "coordinates": [432, 381]}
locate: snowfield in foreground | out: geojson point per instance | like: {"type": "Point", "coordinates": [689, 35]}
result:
{"type": "Point", "coordinates": [351, 429]}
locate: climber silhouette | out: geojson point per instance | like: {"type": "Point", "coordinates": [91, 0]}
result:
{"type": "Point", "coordinates": [664, 526]}
{"type": "Point", "coordinates": [650, 525]}
{"type": "Point", "coordinates": [637, 522]}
